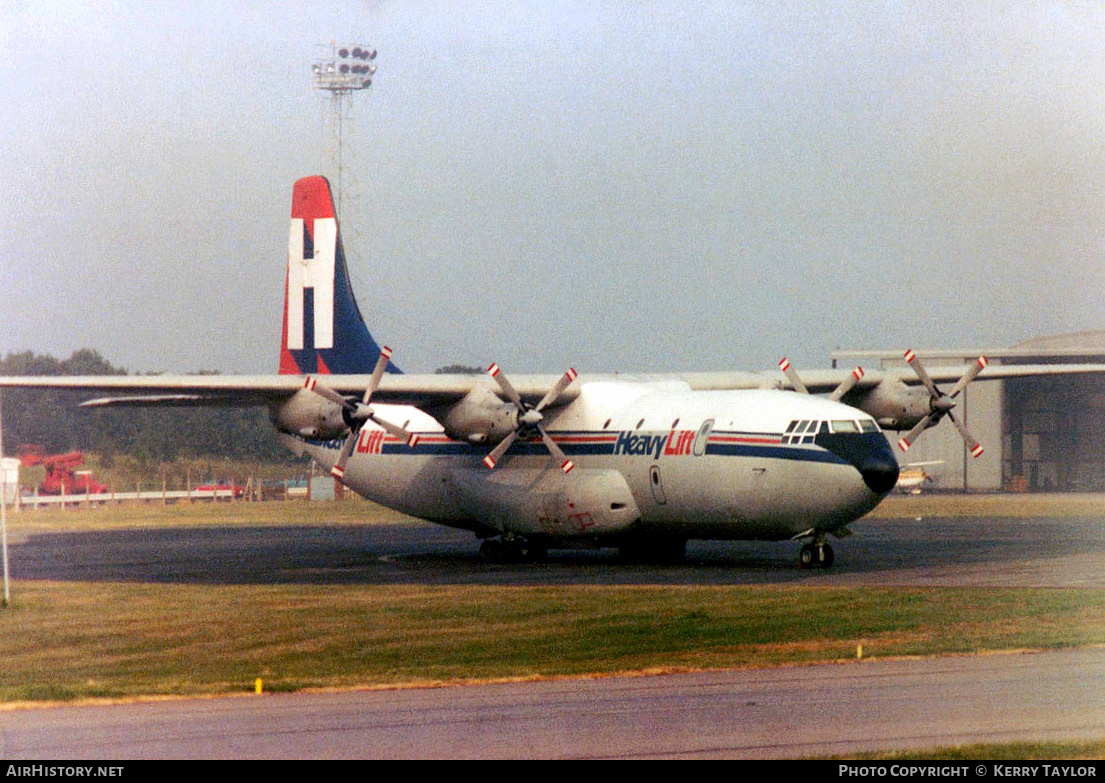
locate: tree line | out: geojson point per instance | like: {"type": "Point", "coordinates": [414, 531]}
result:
{"type": "Point", "coordinates": [52, 419]}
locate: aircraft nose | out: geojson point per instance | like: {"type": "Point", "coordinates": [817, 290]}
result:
{"type": "Point", "coordinates": [867, 452]}
{"type": "Point", "coordinates": [880, 473]}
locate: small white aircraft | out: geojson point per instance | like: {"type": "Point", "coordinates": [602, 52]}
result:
{"type": "Point", "coordinates": [642, 463]}
{"type": "Point", "coordinates": [913, 477]}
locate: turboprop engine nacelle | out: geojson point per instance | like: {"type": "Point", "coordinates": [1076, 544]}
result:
{"type": "Point", "coordinates": [311, 416]}
{"type": "Point", "coordinates": [481, 417]}
{"type": "Point", "coordinates": [894, 405]}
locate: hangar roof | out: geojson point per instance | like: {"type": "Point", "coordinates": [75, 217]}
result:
{"type": "Point", "coordinates": [1075, 340]}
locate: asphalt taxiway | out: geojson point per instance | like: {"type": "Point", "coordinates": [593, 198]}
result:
{"type": "Point", "coordinates": [957, 551]}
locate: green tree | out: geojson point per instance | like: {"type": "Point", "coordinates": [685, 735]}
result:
{"type": "Point", "coordinates": [54, 420]}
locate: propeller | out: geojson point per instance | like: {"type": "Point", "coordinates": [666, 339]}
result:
{"type": "Point", "coordinates": [845, 386]}
{"type": "Point", "coordinates": [356, 414]}
{"type": "Point", "coordinates": [530, 418]}
{"type": "Point", "coordinates": [941, 404]}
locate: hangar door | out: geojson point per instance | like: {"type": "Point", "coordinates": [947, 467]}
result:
{"type": "Point", "coordinates": [1054, 434]}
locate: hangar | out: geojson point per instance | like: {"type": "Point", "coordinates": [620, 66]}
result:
{"type": "Point", "coordinates": [1041, 434]}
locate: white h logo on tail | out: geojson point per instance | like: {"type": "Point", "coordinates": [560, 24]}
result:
{"type": "Point", "coordinates": [317, 273]}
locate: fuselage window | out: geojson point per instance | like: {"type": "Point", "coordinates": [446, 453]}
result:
{"type": "Point", "coordinates": [824, 428]}
{"type": "Point", "coordinates": [791, 426]}
{"type": "Point", "coordinates": [642, 421]}
{"type": "Point", "coordinates": [604, 426]}
{"type": "Point", "coordinates": [674, 424]}
{"type": "Point", "coordinates": [869, 425]}
{"type": "Point", "coordinates": [844, 425]}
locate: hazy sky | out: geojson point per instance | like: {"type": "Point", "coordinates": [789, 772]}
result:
{"type": "Point", "coordinates": [611, 185]}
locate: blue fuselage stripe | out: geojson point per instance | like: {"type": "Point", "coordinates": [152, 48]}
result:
{"type": "Point", "coordinates": [606, 447]}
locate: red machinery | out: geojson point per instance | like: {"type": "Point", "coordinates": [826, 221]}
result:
{"type": "Point", "coordinates": [60, 473]}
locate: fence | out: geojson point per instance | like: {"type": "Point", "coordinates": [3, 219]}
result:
{"type": "Point", "coordinates": [288, 490]}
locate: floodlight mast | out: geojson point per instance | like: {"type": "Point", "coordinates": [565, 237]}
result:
{"type": "Point", "coordinates": [348, 70]}
{"type": "Point", "coordinates": [7, 599]}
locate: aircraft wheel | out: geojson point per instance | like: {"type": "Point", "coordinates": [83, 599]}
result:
{"type": "Point", "coordinates": [518, 550]}
{"type": "Point", "coordinates": [513, 551]}
{"type": "Point", "coordinates": [532, 553]}
{"type": "Point", "coordinates": [816, 556]}
{"type": "Point", "coordinates": [492, 550]}
{"type": "Point", "coordinates": [807, 557]}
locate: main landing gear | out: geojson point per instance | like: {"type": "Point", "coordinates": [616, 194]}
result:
{"type": "Point", "coordinates": [512, 550]}
{"type": "Point", "coordinates": [816, 554]}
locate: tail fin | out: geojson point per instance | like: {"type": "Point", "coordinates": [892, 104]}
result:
{"type": "Point", "coordinates": [324, 331]}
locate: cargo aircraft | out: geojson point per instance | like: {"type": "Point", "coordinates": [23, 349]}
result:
{"type": "Point", "coordinates": [528, 463]}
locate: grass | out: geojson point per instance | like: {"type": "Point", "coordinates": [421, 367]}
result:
{"type": "Point", "coordinates": [200, 514]}
{"type": "Point", "coordinates": [1060, 505]}
{"type": "Point", "coordinates": [1011, 751]}
{"type": "Point", "coordinates": [66, 641]}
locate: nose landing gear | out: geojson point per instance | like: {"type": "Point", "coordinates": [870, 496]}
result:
{"type": "Point", "coordinates": [816, 554]}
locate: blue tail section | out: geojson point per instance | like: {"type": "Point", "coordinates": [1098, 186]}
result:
{"type": "Point", "coordinates": [324, 331]}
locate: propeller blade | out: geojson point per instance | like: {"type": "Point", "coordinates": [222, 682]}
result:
{"type": "Point", "coordinates": [969, 376]}
{"type": "Point", "coordinates": [561, 384]}
{"type": "Point", "coordinates": [492, 459]}
{"type": "Point", "coordinates": [377, 374]}
{"type": "Point", "coordinates": [915, 363]}
{"type": "Point", "coordinates": [495, 372]}
{"type": "Point", "coordinates": [922, 425]}
{"type": "Point", "coordinates": [311, 384]}
{"type": "Point", "coordinates": [399, 432]}
{"type": "Point", "coordinates": [847, 384]}
{"type": "Point", "coordinates": [972, 444]}
{"type": "Point", "coordinates": [338, 471]}
{"type": "Point", "coordinates": [566, 464]}
{"type": "Point", "coordinates": [792, 376]}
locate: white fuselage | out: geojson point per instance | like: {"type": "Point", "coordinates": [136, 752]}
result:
{"type": "Point", "coordinates": [650, 457]}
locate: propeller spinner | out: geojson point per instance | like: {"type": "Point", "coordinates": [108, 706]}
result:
{"type": "Point", "coordinates": [530, 418]}
{"type": "Point", "coordinates": [356, 414]}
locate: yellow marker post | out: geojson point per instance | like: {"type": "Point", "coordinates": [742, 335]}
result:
{"type": "Point", "coordinates": [257, 687]}
{"type": "Point", "coordinates": [859, 655]}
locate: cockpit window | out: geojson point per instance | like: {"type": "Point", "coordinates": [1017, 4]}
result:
{"type": "Point", "coordinates": [804, 431]}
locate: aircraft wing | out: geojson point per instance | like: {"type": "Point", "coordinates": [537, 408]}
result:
{"type": "Point", "coordinates": [433, 390]}
{"type": "Point", "coordinates": [426, 390]}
